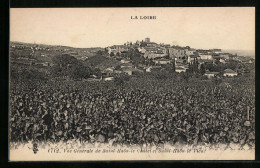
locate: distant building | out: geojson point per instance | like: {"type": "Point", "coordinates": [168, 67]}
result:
{"type": "Point", "coordinates": [206, 57]}
{"type": "Point", "coordinates": [153, 68]}
{"type": "Point", "coordinates": [216, 51]}
{"type": "Point", "coordinates": [46, 64]}
{"type": "Point", "coordinates": [125, 61]}
{"type": "Point", "coordinates": [131, 71]}
{"type": "Point", "coordinates": [192, 58]}
{"type": "Point", "coordinates": [151, 44]}
{"type": "Point", "coordinates": [128, 71]}
{"type": "Point", "coordinates": [162, 61]}
{"type": "Point", "coordinates": [107, 72]}
{"type": "Point", "coordinates": [211, 74]}
{"type": "Point", "coordinates": [116, 49]}
{"type": "Point", "coordinates": [126, 65]}
{"type": "Point", "coordinates": [147, 40]}
{"type": "Point", "coordinates": [251, 60]}
{"type": "Point", "coordinates": [154, 54]}
{"type": "Point", "coordinates": [200, 51]}
{"type": "Point", "coordinates": [118, 71]}
{"type": "Point", "coordinates": [189, 52]}
{"type": "Point", "coordinates": [141, 50]}
{"type": "Point", "coordinates": [109, 79]}
{"type": "Point", "coordinates": [177, 53]}
{"type": "Point", "coordinates": [165, 45]}
{"type": "Point", "coordinates": [229, 73]}
{"type": "Point", "coordinates": [180, 69]}
{"type": "Point", "coordinates": [200, 61]}
{"type": "Point", "coordinates": [171, 53]}
{"type": "Point", "coordinates": [222, 60]}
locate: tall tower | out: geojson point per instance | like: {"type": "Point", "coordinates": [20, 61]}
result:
{"type": "Point", "coordinates": [147, 40]}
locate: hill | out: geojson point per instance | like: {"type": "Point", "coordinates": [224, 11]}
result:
{"type": "Point", "coordinates": [43, 50]}
{"type": "Point", "coordinates": [102, 62]}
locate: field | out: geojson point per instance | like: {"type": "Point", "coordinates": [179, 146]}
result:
{"type": "Point", "coordinates": [146, 109]}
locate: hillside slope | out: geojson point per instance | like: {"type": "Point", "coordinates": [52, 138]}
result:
{"type": "Point", "coordinates": [102, 62]}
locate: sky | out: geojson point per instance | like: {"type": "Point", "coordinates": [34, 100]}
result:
{"type": "Point", "coordinates": [197, 27]}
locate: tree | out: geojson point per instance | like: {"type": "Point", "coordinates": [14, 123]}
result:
{"type": "Point", "coordinates": [61, 64]}
{"type": "Point", "coordinates": [196, 64]}
{"type": "Point", "coordinates": [63, 60]}
{"type": "Point", "coordinates": [191, 67]}
{"type": "Point", "coordinates": [79, 71]}
{"type": "Point", "coordinates": [217, 61]}
{"type": "Point", "coordinates": [143, 44]}
{"type": "Point", "coordinates": [68, 66]}
{"type": "Point", "coordinates": [112, 54]}
{"type": "Point", "coordinates": [173, 65]}
{"type": "Point", "coordinates": [202, 69]}
{"type": "Point", "coordinates": [167, 57]}
{"type": "Point", "coordinates": [232, 64]}
{"type": "Point", "coordinates": [169, 67]}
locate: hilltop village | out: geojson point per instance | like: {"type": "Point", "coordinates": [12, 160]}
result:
{"type": "Point", "coordinates": [142, 56]}
{"type": "Point", "coordinates": [156, 56]}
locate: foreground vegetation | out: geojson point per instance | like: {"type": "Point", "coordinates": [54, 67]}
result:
{"type": "Point", "coordinates": [159, 107]}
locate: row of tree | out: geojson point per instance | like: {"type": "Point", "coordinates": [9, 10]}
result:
{"type": "Point", "coordinates": [195, 67]}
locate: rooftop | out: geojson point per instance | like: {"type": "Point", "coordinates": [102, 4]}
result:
{"type": "Point", "coordinates": [229, 71]}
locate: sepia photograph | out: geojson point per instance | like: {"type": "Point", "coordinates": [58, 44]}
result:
{"type": "Point", "coordinates": [146, 83]}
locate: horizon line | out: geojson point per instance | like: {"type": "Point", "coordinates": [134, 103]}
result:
{"type": "Point", "coordinates": [123, 44]}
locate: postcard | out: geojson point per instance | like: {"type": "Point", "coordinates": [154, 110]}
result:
{"type": "Point", "coordinates": [164, 83]}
